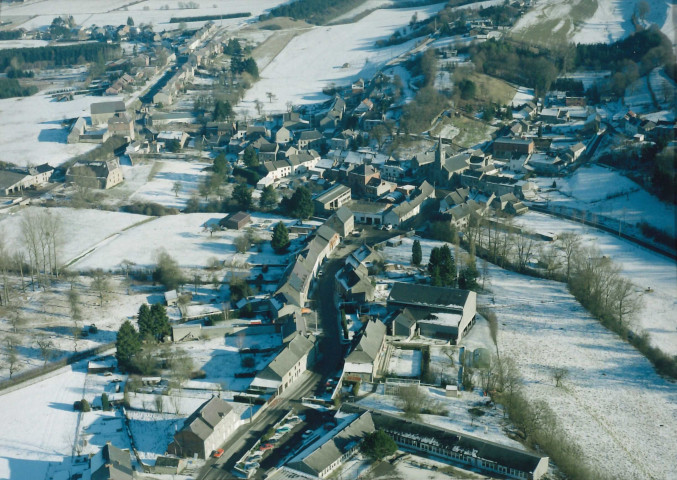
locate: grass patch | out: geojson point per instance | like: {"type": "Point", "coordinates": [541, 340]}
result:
{"type": "Point", "coordinates": [557, 31]}
{"type": "Point", "coordinates": [494, 90]}
{"type": "Point", "coordinates": [472, 131]}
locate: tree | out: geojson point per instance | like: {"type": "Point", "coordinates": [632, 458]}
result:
{"type": "Point", "coordinates": [643, 9]}
{"type": "Point", "coordinates": [559, 374]}
{"type": "Point", "coordinates": [145, 321]}
{"type": "Point", "coordinates": [268, 197]}
{"type": "Point", "coordinates": [161, 327]}
{"type": "Point", "coordinates": [242, 195]}
{"type": "Point", "coordinates": [280, 241]}
{"type": "Point", "coordinates": [12, 354]}
{"type": "Point", "coordinates": [105, 402]}
{"type": "Point", "coordinates": [223, 110]}
{"type": "Point", "coordinates": [167, 271]}
{"type": "Point", "coordinates": [46, 347]}
{"type": "Point", "coordinates": [176, 188]}
{"type": "Point", "coordinates": [271, 96]}
{"type": "Point", "coordinates": [300, 204]}
{"type": "Point", "coordinates": [250, 157]}
{"type": "Point", "coordinates": [416, 253]}
{"type": "Point", "coordinates": [101, 285]}
{"type": "Point", "coordinates": [569, 244]}
{"type": "Point", "coordinates": [130, 21]}
{"type": "Point", "coordinates": [379, 133]}
{"type": "Point", "coordinates": [221, 166]}
{"type": "Point", "coordinates": [259, 106]}
{"type": "Point", "coordinates": [127, 346]}
{"type": "Point", "coordinates": [378, 445]}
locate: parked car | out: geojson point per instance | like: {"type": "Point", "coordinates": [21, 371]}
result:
{"type": "Point", "coordinates": [217, 453]}
{"type": "Point", "coordinates": [266, 446]}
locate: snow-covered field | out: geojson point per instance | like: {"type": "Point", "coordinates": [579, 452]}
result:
{"type": "Point", "coordinates": [638, 98]}
{"type": "Point", "coordinates": [22, 43]}
{"type": "Point", "coordinates": [663, 87]}
{"type": "Point", "coordinates": [603, 191]}
{"type": "Point", "coordinates": [31, 132]}
{"type": "Point", "coordinates": [38, 424]}
{"type": "Point", "coordinates": [316, 58]}
{"type": "Point", "coordinates": [595, 21]}
{"type": "Point", "coordinates": [160, 189]}
{"type": "Point", "coordinates": [641, 266]}
{"type": "Point", "coordinates": [522, 96]}
{"type": "Point", "coordinates": [39, 14]}
{"type": "Point", "coordinates": [614, 405]}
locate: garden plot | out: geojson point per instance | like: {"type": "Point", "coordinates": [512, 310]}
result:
{"type": "Point", "coordinates": [186, 238]}
{"type": "Point", "coordinates": [614, 406]}
{"type": "Point", "coordinates": [405, 363]}
{"type": "Point", "coordinates": [644, 268]}
{"type": "Point", "coordinates": [302, 69]}
{"type": "Point", "coordinates": [603, 191]}
{"type": "Point", "coordinates": [39, 423]}
{"type": "Point", "coordinates": [160, 189]}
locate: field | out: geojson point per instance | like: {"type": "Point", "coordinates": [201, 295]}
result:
{"type": "Point", "coordinates": [302, 69]}
{"type": "Point", "coordinates": [464, 131]}
{"type": "Point", "coordinates": [494, 90]}
{"type": "Point", "coordinates": [614, 405]}
{"type": "Point", "coordinates": [551, 22]}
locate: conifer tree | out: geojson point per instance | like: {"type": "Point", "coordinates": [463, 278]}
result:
{"type": "Point", "coordinates": [280, 241]}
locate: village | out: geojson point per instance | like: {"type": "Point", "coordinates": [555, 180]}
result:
{"type": "Point", "coordinates": [208, 274]}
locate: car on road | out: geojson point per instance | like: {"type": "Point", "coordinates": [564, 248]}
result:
{"type": "Point", "coordinates": [266, 446]}
{"type": "Point", "coordinates": [217, 453]}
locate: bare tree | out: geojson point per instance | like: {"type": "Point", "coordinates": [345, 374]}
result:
{"type": "Point", "coordinates": [569, 244]}
{"type": "Point", "coordinates": [12, 354]}
{"type": "Point", "coordinates": [485, 272]}
{"type": "Point", "coordinates": [159, 403]}
{"type": "Point", "coordinates": [259, 106]}
{"type": "Point", "coordinates": [5, 265]}
{"type": "Point", "coordinates": [15, 318]}
{"type": "Point", "coordinates": [101, 285]}
{"type": "Point", "coordinates": [46, 347]}
{"type": "Point", "coordinates": [628, 303]}
{"type": "Point", "coordinates": [524, 248]}
{"type": "Point", "coordinates": [559, 374]}
{"type": "Point", "coordinates": [271, 96]}
{"type": "Point", "coordinates": [176, 188]}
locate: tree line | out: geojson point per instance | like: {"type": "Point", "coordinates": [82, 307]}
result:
{"type": "Point", "coordinates": [10, 87]}
{"type": "Point", "coordinates": [60, 55]}
{"type": "Point", "coordinates": [313, 11]}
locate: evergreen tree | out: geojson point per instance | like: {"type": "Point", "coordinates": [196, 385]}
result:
{"type": "Point", "coordinates": [467, 278]}
{"type": "Point", "coordinates": [268, 197]}
{"type": "Point", "coordinates": [250, 157]}
{"type": "Point", "coordinates": [221, 165]}
{"type": "Point", "coordinates": [130, 21]}
{"type": "Point", "coordinates": [300, 204]}
{"type": "Point", "coordinates": [447, 266]}
{"type": "Point", "coordinates": [242, 195]}
{"type": "Point", "coordinates": [377, 445]}
{"type": "Point", "coordinates": [160, 320]}
{"type": "Point", "coordinates": [222, 110]}
{"type": "Point", "coordinates": [416, 254]}
{"type": "Point", "coordinates": [280, 241]}
{"type": "Point", "coordinates": [127, 346]}
{"type": "Point", "coordinates": [145, 321]}
{"type": "Point", "coordinates": [434, 260]}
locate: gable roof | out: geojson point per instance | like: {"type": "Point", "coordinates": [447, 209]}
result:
{"type": "Point", "coordinates": [299, 346]}
{"type": "Point", "coordinates": [203, 420]}
{"type": "Point", "coordinates": [427, 296]}
{"type": "Point", "coordinates": [108, 107]}
{"type": "Point", "coordinates": [111, 463]}
{"type": "Point", "coordinates": [369, 344]}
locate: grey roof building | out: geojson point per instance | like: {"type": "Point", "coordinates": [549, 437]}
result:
{"type": "Point", "coordinates": [322, 458]}
{"type": "Point", "coordinates": [288, 365]}
{"type": "Point", "coordinates": [365, 359]}
{"type": "Point", "coordinates": [102, 111]}
{"type": "Point", "coordinates": [111, 463]}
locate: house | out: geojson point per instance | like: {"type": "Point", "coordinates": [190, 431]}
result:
{"type": "Point", "coordinates": [357, 86]}
{"type": "Point", "coordinates": [205, 430]}
{"type": "Point", "coordinates": [509, 203]}
{"type": "Point", "coordinates": [161, 118]}
{"type": "Point", "coordinates": [294, 359]}
{"type": "Point", "coordinates": [506, 147]}
{"type": "Point", "coordinates": [171, 298]}
{"type": "Point", "coordinates": [111, 463]}
{"type": "Point", "coordinates": [324, 456]}
{"type": "Point", "coordinates": [310, 139]}
{"type": "Point", "coordinates": [169, 465]}
{"type": "Point", "coordinates": [377, 187]}
{"type": "Point", "coordinates": [354, 285]}
{"type": "Point", "coordinates": [276, 170]}
{"type": "Point", "coordinates": [103, 175]}
{"type": "Point", "coordinates": [78, 128]}
{"type": "Point", "coordinates": [442, 312]}
{"type": "Point", "coordinates": [236, 221]}
{"type": "Point", "coordinates": [283, 136]}
{"type": "Point", "coordinates": [342, 221]}
{"type": "Point", "coordinates": [406, 210]}
{"type": "Point", "coordinates": [121, 125]}
{"type": "Point", "coordinates": [576, 150]}
{"type": "Point", "coordinates": [554, 115]}
{"type": "Point", "coordinates": [364, 361]}
{"type": "Point", "coordinates": [404, 324]}
{"type": "Point", "coordinates": [454, 198]}
{"type": "Point", "coordinates": [333, 198]}
{"type": "Point", "coordinates": [102, 111]}
{"type": "Point", "coordinates": [359, 177]}
{"type": "Point", "coordinates": [169, 136]}
{"type": "Point", "coordinates": [546, 163]}
{"type": "Point", "coordinates": [393, 171]}
{"type": "Point", "coordinates": [461, 214]}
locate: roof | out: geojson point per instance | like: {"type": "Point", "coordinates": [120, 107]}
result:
{"type": "Point", "coordinates": [369, 344]}
{"type": "Point", "coordinates": [111, 463]}
{"type": "Point", "coordinates": [405, 318]}
{"type": "Point", "coordinates": [333, 193]}
{"type": "Point", "coordinates": [310, 135]}
{"type": "Point", "coordinates": [108, 107]}
{"type": "Point", "coordinates": [287, 358]}
{"type": "Point", "coordinates": [427, 296]}
{"type": "Point", "coordinates": [513, 141]}
{"type": "Point", "coordinates": [316, 459]}
{"type": "Point", "coordinates": [9, 179]}
{"type": "Point", "coordinates": [203, 420]}
{"type": "Point", "coordinates": [405, 207]}
{"type": "Point", "coordinates": [343, 214]}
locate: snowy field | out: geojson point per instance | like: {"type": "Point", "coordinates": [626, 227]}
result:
{"type": "Point", "coordinates": [160, 189]}
{"type": "Point", "coordinates": [22, 43]}
{"type": "Point", "coordinates": [31, 132]}
{"type": "Point", "coordinates": [638, 98]}
{"type": "Point", "coordinates": [39, 14]}
{"type": "Point", "coordinates": [522, 96]}
{"type": "Point", "coordinates": [641, 266]}
{"type": "Point", "coordinates": [606, 192]}
{"type": "Point", "coordinates": [300, 71]}
{"type": "Point", "coordinates": [593, 21]}
{"type": "Point", "coordinates": [39, 424]}
{"type": "Point", "coordinates": [664, 88]}
{"type": "Point", "coordinates": [405, 363]}
{"type": "Point", "coordinates": [614, 405]}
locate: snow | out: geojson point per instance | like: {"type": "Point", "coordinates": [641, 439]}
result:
{"type": "Point", "coordinates": [22, 43]}
{"type": "Point", "coordinates": [614, 405]}
{"type": "Point", "coordinates": [638, 98]}
{"type": "Point", "coordinates": [159, 190]}
{"type": "Point", "coordinates": [405, 363]}
{"type": "Point", "coordinates": [663, 88]}
{"type": "Point", "coordinates": [27, 446]}
{"type": "Point", "coordinates": [522, 96]}
{"type": "Point", "coordinates": [103, 12]}
{"type": "Point", "coordinates": [604, 191]}
{"type": "Point", "coordinates": [300, 71]}
{"type": "Point", "coordinates": [643, 267]}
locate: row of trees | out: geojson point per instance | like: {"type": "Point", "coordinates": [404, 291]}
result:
{"type": "Point", "coordinates": [60, 55]}
{"type": "Point", "coordinates": [10, 87]}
